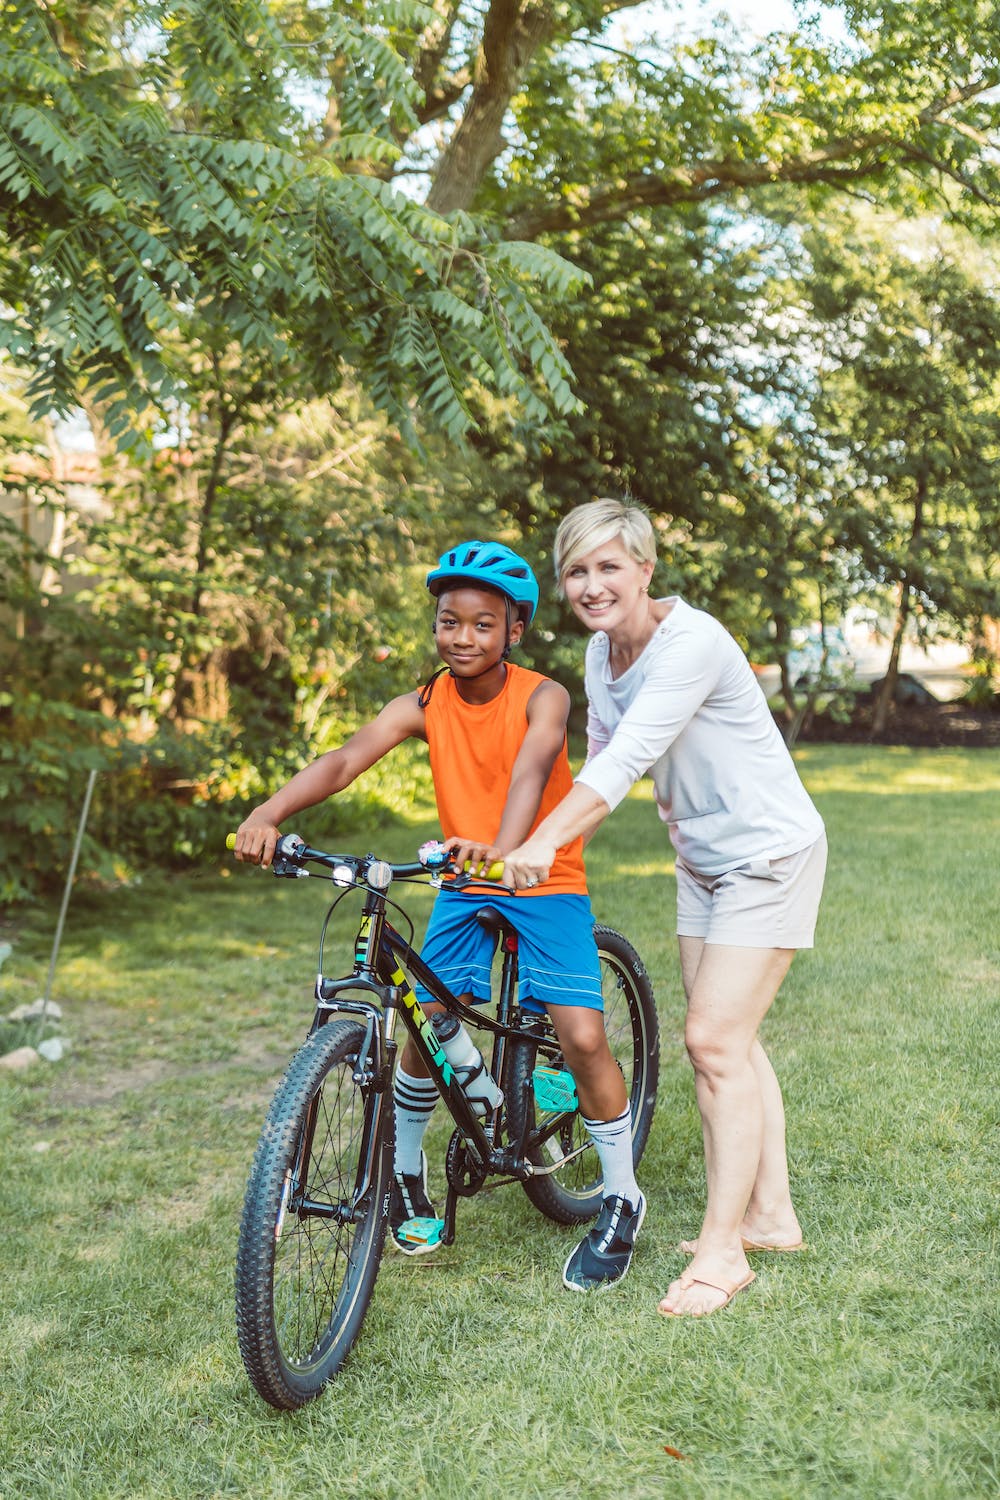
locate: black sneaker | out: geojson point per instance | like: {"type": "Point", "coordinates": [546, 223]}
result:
{"type": "Point", "coordinates": [408, 1200]}
{"type": "Point", "coordinates": [603, 1258]}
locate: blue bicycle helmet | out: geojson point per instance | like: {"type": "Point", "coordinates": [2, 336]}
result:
{"type": "Point", "coordinates": [490, 565]}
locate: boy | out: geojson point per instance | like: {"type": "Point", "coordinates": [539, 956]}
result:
{"type": "Point", "coordinates": [497, 739]}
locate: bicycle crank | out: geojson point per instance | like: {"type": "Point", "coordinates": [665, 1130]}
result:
{"type": "Point", "coordinates": [463, 1169]}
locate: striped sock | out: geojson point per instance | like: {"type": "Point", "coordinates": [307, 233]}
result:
{"type": "Point", "coordinates": [613, 1142]}
{"type": "Point", "coordinates": [414, 1099]}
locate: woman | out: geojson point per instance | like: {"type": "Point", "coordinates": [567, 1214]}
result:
{"type": "Point", "coordinates": [671, 693]}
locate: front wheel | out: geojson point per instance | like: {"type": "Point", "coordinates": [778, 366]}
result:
{"type": "Point", "coordinates": [314, 1220]}
{"type": "Point", "coordinates": [572, 1193]}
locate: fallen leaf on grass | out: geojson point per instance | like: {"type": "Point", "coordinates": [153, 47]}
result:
{"type": "Point", "coordinates": [674, 1452]}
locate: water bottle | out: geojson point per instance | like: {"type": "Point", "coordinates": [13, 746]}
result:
{"type": "Point", "coordinates": [482, 1090]}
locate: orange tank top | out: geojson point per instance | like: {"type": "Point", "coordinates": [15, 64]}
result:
{"type": "Point", "coordinates": [473, 747]}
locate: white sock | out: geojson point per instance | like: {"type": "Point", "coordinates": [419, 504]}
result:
{"type": "Point", "coordinates": [613, 1142]}
{"type": "Point", "coordinates": [414, 1099]}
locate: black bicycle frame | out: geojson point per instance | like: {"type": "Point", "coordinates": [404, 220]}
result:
{"type": "Point", "coordinates": [380, 956]}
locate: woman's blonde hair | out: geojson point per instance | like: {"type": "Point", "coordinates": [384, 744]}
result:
{"type": "Point", "coordinates": [597, 523]}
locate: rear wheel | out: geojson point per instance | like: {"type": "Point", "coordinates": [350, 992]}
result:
{"type": "Point", "coordinates": [572, 1193]}
{"type": "Point", "coordinates": [309, 1242]}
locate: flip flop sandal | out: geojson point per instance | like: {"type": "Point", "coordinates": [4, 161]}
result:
{"type": "Point", "coordinates": [688, 1247]}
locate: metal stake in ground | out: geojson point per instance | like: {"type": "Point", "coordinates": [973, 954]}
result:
{"type": "Point", "coordinates": [65, 900]}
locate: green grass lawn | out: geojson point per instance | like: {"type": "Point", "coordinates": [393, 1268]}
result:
{"type": "Point", "coordinates": [867, 1366]}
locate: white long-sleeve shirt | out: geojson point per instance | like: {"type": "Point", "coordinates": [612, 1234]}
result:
{"type": "Point", "coordinates": [690, 712]}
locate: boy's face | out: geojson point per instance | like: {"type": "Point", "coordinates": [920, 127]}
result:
{"type": "Point", "coordinates": [470, 629]}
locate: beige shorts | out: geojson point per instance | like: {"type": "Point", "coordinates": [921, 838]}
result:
{"type": "Point", "coordinates": [770, 903]}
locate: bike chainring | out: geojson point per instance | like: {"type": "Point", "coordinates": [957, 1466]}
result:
{"type": "Point", "coordinates": [463, 1169]}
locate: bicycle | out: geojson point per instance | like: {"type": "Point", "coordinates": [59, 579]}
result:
{"type": "Point", "coordinates": [317, 1200]}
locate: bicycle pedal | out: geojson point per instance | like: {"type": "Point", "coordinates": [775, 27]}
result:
{"type": "Point", "coordinates": [555, 1089]}
{"type": "Point", "coordinates": [421, 1232]}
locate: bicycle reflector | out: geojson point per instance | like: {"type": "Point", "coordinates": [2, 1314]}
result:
{"type": "Point", "coordinates": [378, 874]}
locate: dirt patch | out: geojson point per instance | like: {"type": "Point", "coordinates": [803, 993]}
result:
{"type": "Point", "coordinates": [256, 1052]}
{"type": "Point", "coordinates": [935, 725]}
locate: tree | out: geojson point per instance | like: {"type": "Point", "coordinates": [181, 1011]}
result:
{"type": "Point", "coordinates": [907, 93]}
{"type": "Point", "coordinates": [240, 158]}
{"type": "Point", "coordinates": [256, 235]}
{"type": "Point", "coordinates": [908, 402]}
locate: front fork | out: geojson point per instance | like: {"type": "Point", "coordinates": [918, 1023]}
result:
{"type": "Point", "coordinates": [373, 1067]}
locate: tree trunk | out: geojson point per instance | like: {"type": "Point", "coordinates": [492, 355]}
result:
{"type": "Point", "coordinates": [513, 32]}
{"type": "Point", "coordinates": [887, 692]}
{"type": "Point", "coordinates": [177, 698]}
{"type": "Point", "coordinates": [227, 422]}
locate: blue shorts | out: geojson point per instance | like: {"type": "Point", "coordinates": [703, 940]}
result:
{"type": "Point", "coordinates": [557, 954]}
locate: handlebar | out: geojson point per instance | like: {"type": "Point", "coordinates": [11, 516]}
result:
{"type": "Point", "coordinates": [292, 854]}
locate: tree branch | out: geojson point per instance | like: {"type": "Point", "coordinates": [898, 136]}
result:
{"type": "Point", "coordinates": [849, 158]}
{"type": "Point", "coordinates": [440, 93]}
{"type": "Point", "coordinates": [964, 181]}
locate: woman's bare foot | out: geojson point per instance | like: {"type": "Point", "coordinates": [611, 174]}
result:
{"type": "Point", "coordinates": [785, 1235]}
{"type": "Point", "coordinates": [696, 1297]}
{"type": "Point", "coordinates": [690, 1247]}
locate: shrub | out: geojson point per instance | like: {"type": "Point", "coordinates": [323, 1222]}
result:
{"type": "Point", "coordinates": [981, 694]}
{"type": "Point", "coordinates": [46, 750]}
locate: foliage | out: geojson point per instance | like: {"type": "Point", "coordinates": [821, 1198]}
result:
{"type": "Point", "coordinates": [323, 273]}
{"type": "Point", "coordinates": [982, 692]}
{"type": "Point", "coordinates": [158, 181]}
{"type": "Point", "coordinates": [46, 749]}
{"type": "Point", "coordinates": [306, 612]}
{"type": "Point", "coordinates": [907, 386]}
{"type": "Point", "coordinates": [169, 165]}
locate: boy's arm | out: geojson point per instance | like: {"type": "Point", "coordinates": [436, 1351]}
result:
{"type": "Point", "coordinates": [547, 713]}
{"type": "Point", "coordinates": [401, 719]}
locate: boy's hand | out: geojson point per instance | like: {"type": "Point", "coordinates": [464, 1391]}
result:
{"type": "Point", "coordinates": [477, 855]}
{"type": "Point", "coordinates": [255, 840]}
{"type": "Point", "coordinates": [529, 864]}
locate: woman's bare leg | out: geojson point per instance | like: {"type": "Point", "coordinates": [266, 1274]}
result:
{"type": "Point", "coordinates": [729, 992]}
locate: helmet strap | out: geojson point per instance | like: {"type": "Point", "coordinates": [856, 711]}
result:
{"type": "Point", "coordinates": [424, 696]}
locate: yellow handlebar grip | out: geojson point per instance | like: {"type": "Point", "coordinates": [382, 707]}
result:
{"type": "Point", "coordinates": [230, 841]}
{"type": "Point", "coordinates": [495, 871]}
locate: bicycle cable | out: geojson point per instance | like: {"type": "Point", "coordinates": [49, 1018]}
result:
{"type": "Point", "coordinates": [403, 917]}
{"type": "Point", "coordinates": [326, 922]}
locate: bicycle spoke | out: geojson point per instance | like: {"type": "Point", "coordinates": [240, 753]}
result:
{"type": "Point", "coordinates": [311, 1270]}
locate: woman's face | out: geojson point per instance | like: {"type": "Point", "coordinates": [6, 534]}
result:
{"type": "Point", "coordinates": [607, 587]}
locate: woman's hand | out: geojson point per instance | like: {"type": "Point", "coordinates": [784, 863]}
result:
{"type": "Point", "coordinates": [529, 864]}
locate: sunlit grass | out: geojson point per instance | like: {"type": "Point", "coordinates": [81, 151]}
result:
{"type": "Point", "coordinates": [864, 1367]}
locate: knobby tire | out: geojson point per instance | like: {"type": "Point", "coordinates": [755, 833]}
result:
{"type": "Point", "coordinates": [304, 1280]}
